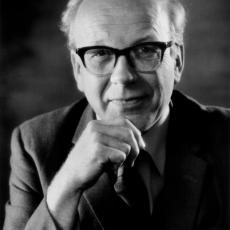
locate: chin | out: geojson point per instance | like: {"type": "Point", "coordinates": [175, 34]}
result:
{"type": "Point", "coordinates": [142, 122]}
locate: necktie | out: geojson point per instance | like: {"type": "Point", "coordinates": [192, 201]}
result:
{"type": "Point", "coordinates": [130, 187]}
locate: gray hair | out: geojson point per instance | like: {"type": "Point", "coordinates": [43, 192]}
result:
{"type": "Point", "coordinates": [177, 19]}
{"type": "Point", "coordinates": [174, 9]}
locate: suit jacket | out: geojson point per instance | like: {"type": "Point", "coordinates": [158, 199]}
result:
{"type": "Point", "coordinates": [196, 184]}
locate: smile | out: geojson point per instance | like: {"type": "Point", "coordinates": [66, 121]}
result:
{"type": "Point", "coordinates": [131, 102]}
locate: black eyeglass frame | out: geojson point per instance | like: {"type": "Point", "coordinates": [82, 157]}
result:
{"type": "Point", "coordinates": [123, 52]}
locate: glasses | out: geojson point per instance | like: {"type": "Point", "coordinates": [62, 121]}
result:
{"type": "Point", "coordinates": [144, 57]}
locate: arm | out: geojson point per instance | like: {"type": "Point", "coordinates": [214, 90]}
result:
{"type": "Point", "coordinates": [26, 208]}
{"type": "Point", "coordinates": [100, 143]}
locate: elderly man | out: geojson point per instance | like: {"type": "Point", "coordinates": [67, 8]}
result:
{"type": "Point", "coordinates": [134, 154]}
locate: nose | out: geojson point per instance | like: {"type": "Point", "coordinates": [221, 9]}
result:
{"type": "Point", "coordinates": [122, 73]}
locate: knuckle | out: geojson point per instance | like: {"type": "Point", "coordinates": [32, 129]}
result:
{"type": "Point", "coordinates": [127, 148]}
{"type": "Point", "coordinates": [99, 156]}
{"type": "Point", "coordinates": [123, 157]}
{"type": "Point", "coordinates": [117, 157]}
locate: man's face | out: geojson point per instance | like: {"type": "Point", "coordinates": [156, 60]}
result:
{"type": "Point", "coordinates": [142, 98]}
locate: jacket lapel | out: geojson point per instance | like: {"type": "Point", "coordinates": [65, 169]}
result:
{"type": "Point", "coordinates": [109, 210]}
{"type": "Point", "coordinates": [179, 201]}
{"type": "Point", "coordinates": [185, 170]}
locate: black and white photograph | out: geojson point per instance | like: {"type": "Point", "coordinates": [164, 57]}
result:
{"type": "Point", "coordinates": [115, 115]}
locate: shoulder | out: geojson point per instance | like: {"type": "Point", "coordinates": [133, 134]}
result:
{"type": "Point", "coordinates": [209, 125]}
{"type": "Point", "coordinates": [188, 107]}
{"type": "Point", "coordinates": [204, 130]}
{"type": "Point", "coordinates": [49, 129]}
{"type": "Point", "coordinates": [42, 143]}
{"type": "Point", "coordinates": [54, 119]}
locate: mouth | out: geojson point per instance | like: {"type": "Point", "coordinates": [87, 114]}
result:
{"type": "Point", "coordinates": [130, 102]}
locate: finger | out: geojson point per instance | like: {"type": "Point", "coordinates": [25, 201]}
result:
{"type": "Point", "coordinates": [114, 156]}
{"type": "Point", "coordinates": [138, 137]}
{"type": "Point", "coordinates": [122, 132]}
{"type": "Point", "coordinates": [114, 143]}
{"type": "Point", "coordinates": [123, 122]}
{"type": "Point", "coordinates": [137, 134]}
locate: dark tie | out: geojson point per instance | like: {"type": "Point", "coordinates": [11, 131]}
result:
{"type": "Point", "coordinates": [130, 187]}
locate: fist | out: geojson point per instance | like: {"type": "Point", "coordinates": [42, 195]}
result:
{"type": "Point", "coordinates": [102, 144]}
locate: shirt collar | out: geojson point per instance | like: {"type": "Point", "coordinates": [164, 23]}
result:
{"type": "Point", "coordinates": [155, 140]}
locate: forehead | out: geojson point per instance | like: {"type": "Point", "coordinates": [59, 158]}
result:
{"type": "Point", "coordinates": [119, 22]}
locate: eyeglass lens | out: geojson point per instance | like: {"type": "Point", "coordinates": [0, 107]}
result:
{"type": "Point", "coordinates": [143, 58]}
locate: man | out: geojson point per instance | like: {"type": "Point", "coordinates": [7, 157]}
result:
{"type": "Point", "coordinates": [76, 168]}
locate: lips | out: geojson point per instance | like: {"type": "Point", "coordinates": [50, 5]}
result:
{"type": "Point", "coordinates": [129, 101]}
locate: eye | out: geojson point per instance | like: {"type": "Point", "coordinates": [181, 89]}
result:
{"type": "Point", "coordinates": [147, 51]}
{"type": "Point", "coordinates": [99, 53]}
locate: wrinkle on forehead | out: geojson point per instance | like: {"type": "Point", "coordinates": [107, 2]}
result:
{"type": "Point", "coordinates": [114, 6]}
{"type": "Point", "coordinates": [124, 36]}
{"type": "Point", "coordinates": [118, 11]}
{"type": "Point", "coordinates": [100, 17]}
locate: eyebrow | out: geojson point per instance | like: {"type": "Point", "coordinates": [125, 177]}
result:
{"type": "Point", "coordinates": [145, 39]}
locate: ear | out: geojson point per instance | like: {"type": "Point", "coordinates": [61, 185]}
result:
{"type": "Point", "coordinates": [179, 62]}
{"type": "Point", "coordinates": [76, 64]}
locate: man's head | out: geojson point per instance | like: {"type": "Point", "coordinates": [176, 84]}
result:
{"type": "Point", "coordinates": [174, 9]}
{"type": "Point", "coordinates": [137, 82]}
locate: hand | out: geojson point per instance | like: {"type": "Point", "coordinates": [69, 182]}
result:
{"type": "Point", "coordinates": [102, 144]}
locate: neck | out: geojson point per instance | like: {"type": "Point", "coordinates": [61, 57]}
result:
{"type": "Point", "coordinates": [160, 122]}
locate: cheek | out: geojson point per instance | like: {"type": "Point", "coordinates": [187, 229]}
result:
{"type": "Point", "coordinates": [94, 89]}
{"type": "Point", "coordinates": [166, 73]}
{"type": "Point", "coordinates": [162, 84]}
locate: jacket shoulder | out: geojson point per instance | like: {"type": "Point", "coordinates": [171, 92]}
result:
{"type": "Point", "coordinates": [209, 125]}
{"type": "Point", "coordinates": [198, 111]}
{"type": "Point", "coordinates": [47, 128]}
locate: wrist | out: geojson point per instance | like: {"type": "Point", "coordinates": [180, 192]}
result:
{"type": "Point", "coordinates": [62, 191]}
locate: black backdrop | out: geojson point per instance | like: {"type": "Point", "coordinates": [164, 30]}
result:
{"type": "Point", "coordinates": [36, 76]}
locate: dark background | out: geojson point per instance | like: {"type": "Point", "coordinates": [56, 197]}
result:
{"type": "Point", "coordinates": [36, 76]}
